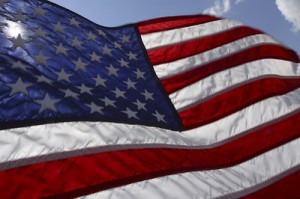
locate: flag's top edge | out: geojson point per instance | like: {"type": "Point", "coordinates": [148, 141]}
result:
{"type": "Point", "coordinates": [158, 19]}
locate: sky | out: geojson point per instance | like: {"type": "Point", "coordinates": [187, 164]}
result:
{"type": "Point", "coordinates": [279, 18]}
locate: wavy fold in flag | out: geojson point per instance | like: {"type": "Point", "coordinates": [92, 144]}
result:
{"type": "Point", "coordinates": [176, 107]}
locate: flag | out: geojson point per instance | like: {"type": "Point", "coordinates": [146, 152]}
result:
{"type": "Point", "coordinates": [176, 107]}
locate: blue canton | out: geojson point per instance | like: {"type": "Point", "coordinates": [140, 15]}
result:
{"type": "Point", "coordinates": [58, 66]}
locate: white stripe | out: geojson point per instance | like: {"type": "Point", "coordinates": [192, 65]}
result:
{"type": "Point", "coordinates": [168, 37]}
{"type": "Point", "coordinates": [166, 70]}
{"type": "Point", "coordinates": [218, 82]}
{"type": "Point", "coordinates": [213, 183]}
{"type": "Point", "coordinates": [53, 138]}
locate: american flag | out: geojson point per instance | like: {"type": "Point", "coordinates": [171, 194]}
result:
{"type": "Point", "coordinates": [176, 107]}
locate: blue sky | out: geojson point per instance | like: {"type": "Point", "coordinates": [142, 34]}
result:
{"type": "Point", "coordinates": [279, 18]}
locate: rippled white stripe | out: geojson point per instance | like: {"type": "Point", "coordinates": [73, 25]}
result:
{"type": "Point", "coordinates": [213, 183]}
{"type": "Point", "coordinates": [61, 137]}
{"type": "Point", "coordinates": [169, 37]}
{"type": "Point", "coordinates": [218, 82]}
{"type": "Point", "coordinates": [177, 67]}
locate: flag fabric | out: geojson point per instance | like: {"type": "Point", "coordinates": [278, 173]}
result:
{"type": "Point", "coordinates": [176, 107]}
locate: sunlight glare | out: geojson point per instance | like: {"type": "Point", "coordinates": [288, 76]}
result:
{"type": "Point", "coordinates": [14, 29]}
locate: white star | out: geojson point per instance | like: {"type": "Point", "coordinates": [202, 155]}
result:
{"type": "Point", "coordinates": [130, 84]}
{"type": "Point", "coordinates": [100, 81]}
{"type": "Point", "coordinates": [130, 113]}
{"type": "Point", "coordinates": [40, 32]}
{"type": "Point", "coordinates": [19, 86]}
{"type": "Point", "coordinates": [117, 45]}
{"type": "Point", "coordinates": [112, 70]}
{"type": "Point", "coordinates": [39, 11]}
{"type": "Point", "coordinates": [159, 116]}
{"type": "Point", "coordinates": [91, 36]}
{"type": "Point", "coordinates": [125, 38]}
{"type": "Point", "coordinates": [69, 93]}
{"type": "Point", "coordinates": [74, 22]}
{"type": "Point", "coordinates": [62, 75]}
{"type": "Point", "coordinates": [41, 59]}
{"type": "Point", "coordinates": [58, 27]}
{"type": "Point", "coordinates": [119, 93]}
{"type": "Point", "coordinates": [85, 89]}
{"type": "Point", "coordinates": [139, 74]}
{"type": "Point", "coordinates": [109, 102]}
{"type": "Point", "coordinates": [19, 65]}
{"type": "Point", "coordinates": [95, 108]}
{"type": "Point", "coordinates": [44, 79]}
{"type": "Point", "coordinates": [20, 17]}
{"type": "Point", "coordinates": [148, 95]}
{"type": "Point", "coordinates": [140, 105]}
{"type": "Point", "coordinates": [47, 103]}
{"type": "Point", "coordinates": [123, 63]}
{"type": "Point", "coordinates": [131, 56]}
{"type": "Point", "coordinates": [18, 42]}
{"type": "Point", "coordinates": [102, 33]}
{"type": "Point", "coordinates": [106, 50]}
{"type": "Point", "coordinates": [61, 49]}
{"type": "Point", "coordinates": [76, 42]}
{"type": "Point", "coordinates": [95, 57]}
{"type": "Point", "coordinates": [79, 64]}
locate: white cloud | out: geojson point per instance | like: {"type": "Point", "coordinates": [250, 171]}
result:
{"type": "Point", "coordinates": [290, 9]}
{"type": "Point", "coordinates": [221, 7]}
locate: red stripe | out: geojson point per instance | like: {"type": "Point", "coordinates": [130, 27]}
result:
{"type": "Point", "coordinates": [287, 187]}
{"type": "Point", "coordinates": [196, 46]}
{"type": "Point", "coordinates": [236, 99]}
{"type": "Point", "coordinates": [83, 174]}
{"type": "Point", "coordinates": [168, 23]}
{"type": "Point", "coordinates": [182, 80]}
